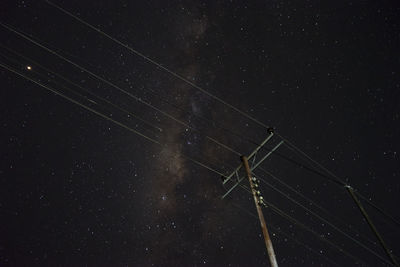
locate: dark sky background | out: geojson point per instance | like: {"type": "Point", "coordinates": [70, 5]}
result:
{"type": "Point", "coordinates": [77, 190]}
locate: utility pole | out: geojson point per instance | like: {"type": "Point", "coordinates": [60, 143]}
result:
{"type": "Point", "coordinates": [371, 225]}
{"type": "Point", "coordinates": [258, 201]}
{"type": "Point", "coordinates": [235, 178]}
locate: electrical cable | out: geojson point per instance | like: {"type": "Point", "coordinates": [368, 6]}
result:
{"type": "Point", "coordinates": [303, 226]}
{"type": "Point", "coordinates": [314, 204]}
{"type": "Point", "coordinates": [339, 180]}
{"type": "Point", "coordinates": [319, 217]}
{"type": "Point", "coordinates": [182, 123]}
{"type": "Point", "coordinates": [322, 238]}
{"type": "Point", "coordinates": [84, 89]}
{"type": "Point", "coordinates": [322, 219]}
{"type": "Point", "coordinates": [80, 87]}
{"type": "Point", "coordinates": [78, 103]}
{"type": "Point", "coordinates": [157, 64]}
{"type": "Point", "coordinates": [183, 79]}
{"type": "Point", "coordinates": [102, 115]}
{"type": "Point", "coordinates": [188, 82]}
{"type": "Point", "coordinates": [119, 89]}
{"type": "Point", "coordinates": [276, 229]}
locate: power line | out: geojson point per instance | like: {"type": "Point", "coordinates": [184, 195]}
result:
{"type": "Point", "coordinates": [313, 203]}
{"type": "Point", "coordinates": [157, 95]}
{"type": "Point", "coordinates": [79, 104]}
{"type": "Point", "coordinates": [173, 73]}
{"type": "Point", "coordinates": [80, 87]}
{"type": "Point", "coordinates": [120, 89]}
{"type": "Point", "coordinates": [322, 219]}
{"type": "Point", "coordinates": [303, 226]}
{"type": "Point", "coordinates": [157, 64]}
{"type": "Point", "coordinates": [339, 180]}
{"type": "Point", "coordinates": [138, 99]}
{"type": "Point", "coordinates": [84, 89]}
{"type": "Point", "coordinates": [297, 192]}
{"type": "Point", "coordinates": [100, 114]}
{"type": "Point", "coordinates": [103, 116]}
{"type": "Point", "coordinates": [195, 86]}
{"type": "Point", "coordinates": [276, 229]}
{"type": "Point", "coordinates": [152, 92]}
{"type": "Point", "coordinates": [377, 208]}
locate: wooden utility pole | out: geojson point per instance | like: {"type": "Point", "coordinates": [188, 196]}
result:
{"type": "Point", "coordinates": [371, 225]}
{"type": "Point", "coordinates": [258, 202]}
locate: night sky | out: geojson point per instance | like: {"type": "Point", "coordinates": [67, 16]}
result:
{"type": "Point", "coordinates": [79, 190]}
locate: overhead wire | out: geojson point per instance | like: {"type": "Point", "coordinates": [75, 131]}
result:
{"type": "Point", "coordinates": [103, 116]}
{"type": "Point", "coordinates": [155, 63]}
{"type": "Point", "coordinates": [78, 103]}
{"type": "Point", "coordinates": [339, 180]}
{"type": "Point", "coordinates": [118, 88]}
{"type": "Point", "coordinates": [138, 99]}
{"type": "Point", "coordinates": [305, 227]}
{"type": "Point", "coordinates": [80, 87]}
{"type": "Point", "coordinates": [186, 125]}
{"type": "Point", "coordinates": [186, 81]}
{"type": "Point", "coordinates": [86, 90]}
{"type": "Point", "coordinates": [98, 113]}
{"type": "Point", "coordinates": [314, 204]}
{"type": "Point", "coordinates": [291, 237]}
{"type": "Point", "coordinates": [171, 72]}
{"type": "Point", "coordinates": [157, 95]}
{"type": "Point", "coordinates": [319, 217]}
{"type": "Point", "coordinates": [380, 210]}
{"type": "Point", "coordinates": [304, 197]}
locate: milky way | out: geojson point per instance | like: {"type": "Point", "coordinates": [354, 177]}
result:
{"type": "Point", "coordinates": [80, 190]}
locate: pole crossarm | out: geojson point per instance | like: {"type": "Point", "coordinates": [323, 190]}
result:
{"type": "Point", "coordinates": [233, 187]}
{"type": "Point", "coordinates": [267, 155]}
{"type": "Point", "coordinates": [226, 179]}
{"type": "Point", "coordinates": [235, 172]}
{"type": "Point", "coordinates": [261, 145]}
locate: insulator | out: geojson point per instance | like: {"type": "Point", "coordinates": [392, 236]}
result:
{"type": "Point", "coordinates": [255, 186]}
{"type": "Point", "coordinates": [254, 179]}
{"type": "Point", "coordinates": [261, 198]}
{"type": "Point", "coordinates": [258, 193]}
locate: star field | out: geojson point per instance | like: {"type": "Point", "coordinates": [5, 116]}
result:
{"type": "Point", "coordinates": [76, 189]}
